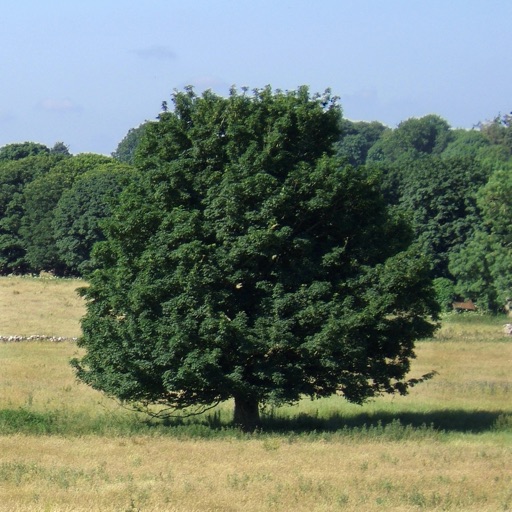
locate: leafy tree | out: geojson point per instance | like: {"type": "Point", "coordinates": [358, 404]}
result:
{"type": "Point", "coordinates": [471, 265]}
{"type": "Point", "coordinates": [77, 218]}
{"type": "Point", "coordinates": [427, 135]}
{"type": "Point", "coordinates": [499, 132]}
{"type": "Point", "coordinates": [483, 267]}
{"type": "Point", "coordinates": [412, 139]}
{"type": "Point", "coordinates": [125, 151]}
{"type": "Point", "coordinates": [248, 264]}
{"type": "Point", "coordinates": [357, 139]}
{"type": "Point", "coordinates": [495, 202]}
{"type": "Point", "coordinates": [20, 150]}
{"type": "Point", "coordinates": [466, 143]}
{"type": "Point", "coordinates": [475, 144]}
{"type": "Point", "coordinates": [40, 198]}
{"type": "Point", "coordinates": [59, 148]}
{"type": "Point", "coordinates": [445, 292]}
{"type": "Point", "coordinates": [439, 196]}
{"type": "Point", "coordinates": [15, 175]}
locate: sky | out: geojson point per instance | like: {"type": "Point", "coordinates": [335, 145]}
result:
{"type": "Point", "coordinates": [84, 72]}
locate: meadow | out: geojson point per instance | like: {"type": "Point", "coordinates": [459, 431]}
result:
{"type": "Point", "coordinates": [65, 447]}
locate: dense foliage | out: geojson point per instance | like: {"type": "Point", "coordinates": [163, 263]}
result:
{"type": "Point", "coordinates": [34, 236]}
{"type": "Point", "coordinates": [22, 150]}
{"type": "Point", "coordinates": [127, 148]}
{"type": "Point", "coordinates": [439, 196]}
{"type": "Point", "coordinates": [77, 218]}
{"type": "Point", "coordinates": [431, 174]}
{"type": "Point", "coordinates": [249, 262]}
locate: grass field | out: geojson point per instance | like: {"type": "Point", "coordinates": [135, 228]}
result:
{"type": "Point", "coordinates": [46, 306]}
{"type": "Point", "coordinates": [65, 447]}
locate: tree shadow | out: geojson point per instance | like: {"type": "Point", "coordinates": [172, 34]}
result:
{"type": "Point", "coordinates": [462, 421]}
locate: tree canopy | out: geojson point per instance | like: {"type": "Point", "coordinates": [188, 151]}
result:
{"type": "Point", "coordinates": [78, 216]}
{"type": "Point", "coordinates": [413, 138]}
{"type": "Point", "coordinates": [125, 151]}
{"type": "Point", "coordinates": [15, 176]}
{"type": "Point", "coordinates": [431, 174]}
{"type": "Point", "coordinates": [483, 266]}
{"type": "Point", "coordinates": [40, 198]}
{"type": "Point", "coordinates": [20, 150]}
{"type": "Point", "coordinates": [357, 138]}
{"type": "Point", "coordinates": [248, 262]}
{"type": "Point", "coordinates": [439, 196]}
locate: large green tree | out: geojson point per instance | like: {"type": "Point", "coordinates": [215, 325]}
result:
{"type": "Point", "coordinates": [357, 138]}
{"type": "Point", "coordinates": [499, 132]}
{"type": "Point", "coordinates": [125, 151]}
{"type": "Point", "coordinates": [248, 264]}
{"type": "Point", "coordinates": [466, 143]}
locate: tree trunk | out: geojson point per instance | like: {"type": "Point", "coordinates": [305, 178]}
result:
{"type": "Point", "coordinates": [247, 413]}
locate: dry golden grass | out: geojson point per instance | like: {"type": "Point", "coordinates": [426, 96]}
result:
{"type": "Point", "coordinates": [470, 375]}
{"type": "Point", "coordinates": [161, 474]}
{"type": "Point", "coordinates": [43, 305]}
{"type": "Point", "coordinates": [38, 375]}
{"type": "Point", "coordinates": [75, 471]}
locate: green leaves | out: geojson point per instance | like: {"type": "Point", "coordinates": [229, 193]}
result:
{"type": "Point", "coordinates": [40, 198]}
{"type": "Point", "coordinates": [439, 195]}
{"type": "Point", "coordinates": [482, 267]}
{"type": "Point", "coordinates": [19, 151]}
{"type": "Point", "coordinates": [248, 262]}
{"type": "Point", "coordinates": [80, 211]}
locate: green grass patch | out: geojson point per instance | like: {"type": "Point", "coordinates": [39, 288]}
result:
{"type": "Point", "coordinates": [440, 424]}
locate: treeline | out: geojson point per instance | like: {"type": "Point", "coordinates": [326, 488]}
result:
{"type": "Point", "coordinates": [52, 206]}
{"type": "Point", "coordinates": [453, 186]}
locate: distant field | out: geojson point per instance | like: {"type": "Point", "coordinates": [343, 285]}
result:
{"type": "Point", "coordinates": [40, 306]}
{"type": "Point", "coordinates": [65, 447]}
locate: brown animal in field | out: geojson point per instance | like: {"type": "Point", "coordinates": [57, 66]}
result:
{"type": "Point", "coordinates": [467, 305]}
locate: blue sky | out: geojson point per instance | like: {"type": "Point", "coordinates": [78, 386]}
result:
{"type": "Point", "coordinates": [86, 71]}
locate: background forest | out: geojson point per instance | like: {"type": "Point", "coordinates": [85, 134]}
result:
{"type": "Point", "coordinates": [454, 187]}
